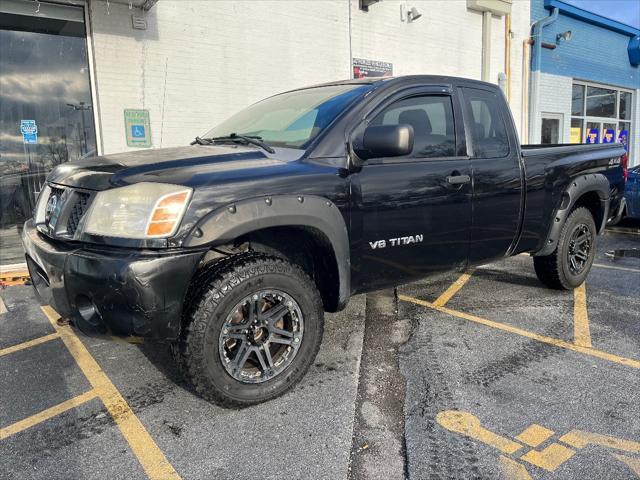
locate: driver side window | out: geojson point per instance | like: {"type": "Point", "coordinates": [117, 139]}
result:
{"type": "Point", "coordinates": [431, 117]}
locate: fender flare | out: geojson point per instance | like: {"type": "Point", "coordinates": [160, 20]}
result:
{"type": "Point", "coordinates": [593, 182]}
{"type": "Point", "coordinates": [234, 220]}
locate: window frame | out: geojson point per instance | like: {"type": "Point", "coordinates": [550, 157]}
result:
{"type": "Point", "coordinates": [468, 117]}
{"type": "Point", "coordinates": [606, 120]}
{"type": "Point", "coordinates": [355, 135]}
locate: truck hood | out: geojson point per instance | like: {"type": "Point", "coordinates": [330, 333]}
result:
{"type": "Point", "coordinates": [189, 166]}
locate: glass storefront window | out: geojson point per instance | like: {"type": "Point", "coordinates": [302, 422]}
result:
{"type": "Point", "coordinates": [46, 115]}
{"type": "Point", "coordinates": [593, 132]}
{"type": "Point", "coordinates": [608, 133]}
{"type": "Point", "coordinates": [625, 106]}
{"type": "Point", "coordinates": [576, 130]}
{"type": "Point", "coordinates": [601, 114]}
{"type": "Point", "coordinates": [577, 100]}
{"type": "Point", "coordinates": [601, 102]}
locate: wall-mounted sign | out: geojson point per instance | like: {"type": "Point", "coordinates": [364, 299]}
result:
{"type": "Point", "coordinates": [137, 128]}
{"type": "Point", "coordinates": [608, 135]}
{"type": "Point", "coordinates": [371, 68]}
{"type": "Point", "coordinates": [623, 138]}
{"type": "Point", "coordinates": [593, 135]}
{"type": "Point", "coordinates": [29, 131]}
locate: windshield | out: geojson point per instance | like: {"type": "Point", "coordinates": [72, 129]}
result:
{"type": "Point", "coordinates": [291, 119]}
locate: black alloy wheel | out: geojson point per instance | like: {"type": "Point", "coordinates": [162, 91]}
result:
{"type": "Point", "coordinates": [580, 244]}
{"type": "Point", "coordinates": [261, 336]}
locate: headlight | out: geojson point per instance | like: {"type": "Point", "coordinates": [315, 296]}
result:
{"type": "Point", "coordinates": [143, 210]}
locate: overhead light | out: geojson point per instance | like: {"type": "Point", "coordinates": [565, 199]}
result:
{"type": "Point", "coordinates": [409, 14]}
{"type": "Point", "coordinates": [566, 36]}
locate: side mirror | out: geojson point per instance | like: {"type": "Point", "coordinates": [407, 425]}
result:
{"type": "Point", "coordinates": [387, 141]}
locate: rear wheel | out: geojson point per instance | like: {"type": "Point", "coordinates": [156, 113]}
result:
{"type": "Point", "coordinates": [568, 266]}
{"type": "Point", "coordinates": [253, 329]}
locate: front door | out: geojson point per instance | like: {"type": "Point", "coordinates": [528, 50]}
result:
{"type": "Point", "coordinates": [46, 113]}
{"type": "Point", "coordinates": [411, 215]}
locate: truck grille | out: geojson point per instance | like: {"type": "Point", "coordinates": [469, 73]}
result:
{"type": "Point", "coordinates": [78, 210]}
{"type": "Point", "coordinates": [63, 211]}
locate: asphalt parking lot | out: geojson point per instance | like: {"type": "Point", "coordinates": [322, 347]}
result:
{"type": "Point", "coordinates": [481, 375]}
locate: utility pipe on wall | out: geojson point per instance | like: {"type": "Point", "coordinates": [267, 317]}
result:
{"type": "Point", "coordinates": [524, 121]}
{"type": "Point", "coordinates": [507, 53]}
{"type": "Point", "coordinates": [486, 46]}
{"type": "Point", "coordinates": [536, 60]}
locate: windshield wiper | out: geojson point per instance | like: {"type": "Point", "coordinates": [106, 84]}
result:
{"type": "Point", "coordinates": [201, 141]}
{"type": "Point", "coordinates": [250, 139]}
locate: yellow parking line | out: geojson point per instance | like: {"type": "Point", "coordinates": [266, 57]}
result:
{"type": "Point", "coordinates": [615, 267]}
{"type": "Point", "coordinates": [524, 333]}
{"type": "Point", "coordinates": [453, 289]}
{"type": "Point", "coordinates": [47, 414]}
{"type": "Point", "coordinates": [513, 470]}
{"type": "Point", "coordinates": [30, 343]}
{"type": "Point", "coordinates": [153, 461]}
{"type": "Point", "coordinates": [581, 330]}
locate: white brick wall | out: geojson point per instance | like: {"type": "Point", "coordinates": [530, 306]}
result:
{"type": "Point", "coordinates": [555, 97]}
{"type": "Point", "coordinates": [200, 61]}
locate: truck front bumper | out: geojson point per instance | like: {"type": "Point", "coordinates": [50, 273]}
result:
{"type": "Point", "coordinates": [114, 290]}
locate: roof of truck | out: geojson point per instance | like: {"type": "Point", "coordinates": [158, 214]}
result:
{"type": "Point", "coordinates": [436, 79]}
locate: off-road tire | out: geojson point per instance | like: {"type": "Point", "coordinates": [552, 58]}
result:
{"type": "Point", "coordinates": [554, 270]}
{"type": "Point", "coordinates": [215, 290]}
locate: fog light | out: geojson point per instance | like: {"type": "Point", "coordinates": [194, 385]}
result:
{"type": "Point", "coordinates": [87, 309]}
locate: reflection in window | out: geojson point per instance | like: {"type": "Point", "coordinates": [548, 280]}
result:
{"type": "Point", "coordinates": [601, 102]}
{"type": "Point", "coordinates": [577, 100]}
{"type": "Point", "coordinates": [625, 106]}
{"type": "Point", "coordinates": [44, 78]}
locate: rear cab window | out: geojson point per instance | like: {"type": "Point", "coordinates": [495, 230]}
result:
{"type": "Point", "coordinates": [486, 123]}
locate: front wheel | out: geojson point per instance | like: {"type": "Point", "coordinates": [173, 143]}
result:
{"type": "Point", "coordinates": [568, 266]}
{"type": "Point", "coordinates": [253, 330]}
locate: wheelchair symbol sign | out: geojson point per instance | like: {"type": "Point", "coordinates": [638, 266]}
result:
{"type": "Point", "coordinates": [137, 128]}
{"type": "Point", "coordinates": [137, 131]}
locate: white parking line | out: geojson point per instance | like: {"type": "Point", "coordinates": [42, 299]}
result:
{"type": "Point", "coordinates": [3, 307]}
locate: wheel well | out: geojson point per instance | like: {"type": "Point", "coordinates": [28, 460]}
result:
{"type": "Point", "coordinates": [305, 246]}
{"type": "Point", "coordinates": [591, 201]}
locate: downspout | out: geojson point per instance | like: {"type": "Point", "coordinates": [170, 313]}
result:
{"type": "Point", "coordinates": [536, 60]}
{"type": "Point", "coordinates": [507, 53]}
{"type": "Point", "coordinates": [486, 45]}
{"type": "Point", "coordinates": [524, 120]}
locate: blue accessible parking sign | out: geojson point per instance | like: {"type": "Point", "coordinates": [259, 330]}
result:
{"type": "Point", "coordinates": [137, 128]}
{"type": "Point", "coordinates": [29, 131]}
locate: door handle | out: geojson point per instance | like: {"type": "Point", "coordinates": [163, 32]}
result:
{"type": "Point", "coordinates": [458, 179]}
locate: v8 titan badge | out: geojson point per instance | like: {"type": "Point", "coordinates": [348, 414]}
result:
{"type": "Point", "coordinates": [137, 128]}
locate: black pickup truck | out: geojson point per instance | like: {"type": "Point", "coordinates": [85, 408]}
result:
{"type": "Point", "coordinates": [232, 248]}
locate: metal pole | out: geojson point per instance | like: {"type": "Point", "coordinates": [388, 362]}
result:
{"type": "Point", "coordinates": [486, 46]}
{"type": "Point", "coordinates": [84, 130]}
